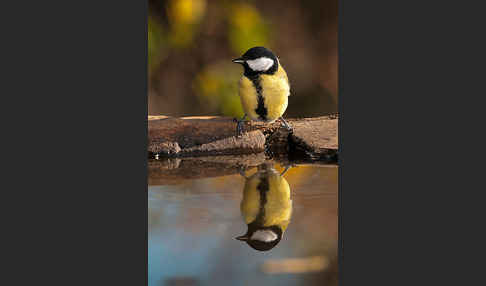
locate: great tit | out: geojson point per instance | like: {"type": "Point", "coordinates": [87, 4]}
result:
{"type": "Point", "coordinates": [264, 87]}
{"type": "Point", "coordinates": [266, 208]}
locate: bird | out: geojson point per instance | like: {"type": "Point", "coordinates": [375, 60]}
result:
{"type": "Point", "coordinates": [266, 207]}
{"type": "Point", "coordinates": [264, 87]}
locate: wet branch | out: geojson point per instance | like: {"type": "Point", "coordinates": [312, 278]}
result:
{"type": "Point", "coordinates": [314, 139]}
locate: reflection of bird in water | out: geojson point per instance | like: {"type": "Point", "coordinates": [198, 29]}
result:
{"type": "Point", "coordinates": [266, 208]}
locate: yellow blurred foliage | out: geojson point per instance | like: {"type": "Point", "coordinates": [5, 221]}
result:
{"type": "Point", "coordinates": [186, 11]}
{"type": "Point", "coordinates": [155, 43]}
{"type": "Point", "coordinates": [247, 28]}
{"type": "Point", "coordinates": [184, 17]}
{"type": "Point", "coordinates": [216, 87]}
{"type": "Point", "coordinates": [244, 16]}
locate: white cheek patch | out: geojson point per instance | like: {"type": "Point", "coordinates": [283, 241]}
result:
{"type": "Point", "coordinates": [264, 235]}
{"type": "Point", "coordinates": [260, 64]}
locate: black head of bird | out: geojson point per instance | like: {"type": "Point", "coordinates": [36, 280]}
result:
{"type": "Point", "coordinates": [261, 238]}
{"type": "Point", "coordinates": [258, 60]}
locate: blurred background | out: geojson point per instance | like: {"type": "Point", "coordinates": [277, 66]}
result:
{"type": "Point", "coordinates": [191, 44]}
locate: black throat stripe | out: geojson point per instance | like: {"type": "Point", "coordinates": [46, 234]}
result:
{"type": "Point", "coordinates": [261, 110]}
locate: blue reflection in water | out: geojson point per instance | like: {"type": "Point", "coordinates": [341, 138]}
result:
{"type": "Point", "coordinates": [193, 225]}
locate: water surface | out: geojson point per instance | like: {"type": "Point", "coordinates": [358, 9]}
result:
{"type": "Point", "coordinates": [193, 224]}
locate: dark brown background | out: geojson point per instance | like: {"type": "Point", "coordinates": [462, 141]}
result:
{"type": "Point", "coordinates": [192, 42]}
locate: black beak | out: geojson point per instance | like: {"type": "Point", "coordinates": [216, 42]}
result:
{"type": "Point", "coordinates": [238, 61]}
{"type": "Point", "coordinates": [242, 238]}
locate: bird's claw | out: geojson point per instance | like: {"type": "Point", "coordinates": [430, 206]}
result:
{"type": "Point", "coordinates": [286, 125]}
{"type": "Point", "coordinates": [241, 171]}
{"type": "Point", "coordinates": [239, 127]}
{"type": "Point", "coordinates": [287, 167]}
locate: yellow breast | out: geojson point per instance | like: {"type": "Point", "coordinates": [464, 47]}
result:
{"type": "Point", "coordinates": [275, 90]}
{"type": "Point", "coordinates": [278, 207]}
{"type": "Point", "coordinates": [248, 97]}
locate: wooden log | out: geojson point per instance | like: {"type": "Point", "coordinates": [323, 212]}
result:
{"type": "Point", "coordinates": [311, 138]}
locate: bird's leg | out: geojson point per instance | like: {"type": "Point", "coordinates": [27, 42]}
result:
{"type": "Point", "coordinates": [239, 125]}
{"type": "Point", "coordinates": [241, 170]}
{"type": "Point", "coordinates": [285, 124]}
{"type": "Point", "coordinates": [286, 169]}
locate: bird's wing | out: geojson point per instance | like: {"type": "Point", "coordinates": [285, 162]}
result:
{"type": "Point", "coordinates": [283, 74]}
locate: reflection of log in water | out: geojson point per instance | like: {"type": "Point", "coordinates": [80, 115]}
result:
{"type": "Point", "coordinates": [314, 139]}
{"type": "Point", "coordinates": [172, 170]}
